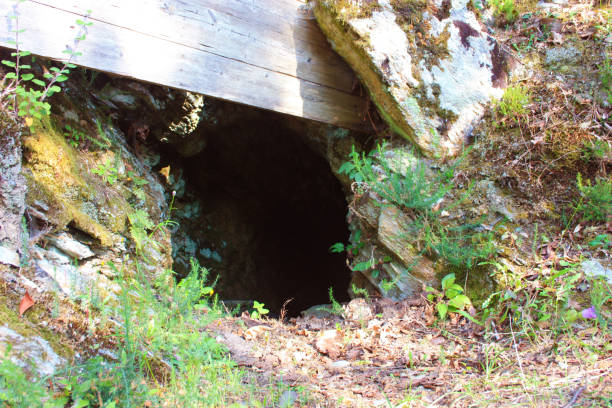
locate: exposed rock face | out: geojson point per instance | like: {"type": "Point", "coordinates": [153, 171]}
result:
{"type": "Point", "coordinates": [12, 185]}
{"type": "Point", "coordinates": [427, 65]}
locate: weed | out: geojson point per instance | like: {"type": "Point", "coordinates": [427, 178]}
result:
{"type": "Point", "coordinates": [512, 103]}
{"type": "Point", "coordinates": [22, 92]}
{"type": "Point", "coordinates": [259, 311]}
{"type": "Point", "coordinates": [336, 307]}
{"type": "Point", "coordinates": [595, 203]}
{"type": "Point", "coordinates": [418, 194]}
{"type": "Point", "coordinates": [360, 292]}
{"type": "Point", "coordinates": [450, 299]}
{"type": "Point", "coordinates": [108, 172]}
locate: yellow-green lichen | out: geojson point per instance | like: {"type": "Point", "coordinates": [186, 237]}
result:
{"type": "Point", "coordinates": [28, 326]}
{"type": "Point", "coordinates": [59, 178]}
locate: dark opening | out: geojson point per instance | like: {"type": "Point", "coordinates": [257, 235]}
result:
{"type": "Point", "coordinates": [271, 208]}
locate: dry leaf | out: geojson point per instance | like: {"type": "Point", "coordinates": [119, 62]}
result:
{"type": "Point", "coordinates": [256, 331]}
{"type": "Point", "coordinates": [26, 303]}
{"type": "Point", "coordinates": [329, 343]}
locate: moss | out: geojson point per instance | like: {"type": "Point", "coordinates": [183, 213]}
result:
{"type": "Point", "coordinates": [27, 325]}
{"type": "Point", "coordinates": [432, 108]}
{"type": "Point", "coordinates": [58, 177]}
{"type": "Point", "coordinates": [410, 16]}
{"type": "Point", "coordinates": [347, 9]}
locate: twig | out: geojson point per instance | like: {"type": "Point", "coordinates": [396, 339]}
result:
{"type": "Point", "coordinates": [574, 397]}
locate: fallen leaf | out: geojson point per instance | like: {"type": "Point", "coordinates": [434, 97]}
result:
{"type": "Point", "coordinates": [26, 303]}
{"type": "Point", "coordinates": [329, 343]}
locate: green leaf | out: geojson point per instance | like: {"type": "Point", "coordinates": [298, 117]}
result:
{"type": "Point", "coordinates": [38, 82]}
{"type": "Point", "coordinates": [61, 78]}
{"type": "Point", "coordinates": [71, 66]}
{"type": "Point", "coordinates": [469, 317]}
{"type": "Point", "coordinates": [9, 63]}
{"type": "Point", "coordinates": [363, 266]}
{"type": "Point", "coordinates": [460, 302]}
{"type": "Point", "coordinates": [27, 77]}
{"type": "Point", "coordinates": [448, 280]}
{"type": "Point", "coordinates": [11, 75]}
{"type": "Point", "coordinates": [456, 287]}
{"type": "Point", "coordinates": [442, 310]}
{"type": "Point", "coordinates": [337, 248]}
{"type": "Point", "coordinates": [451, 293]}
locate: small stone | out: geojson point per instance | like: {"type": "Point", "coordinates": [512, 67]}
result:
{"type": "Point", "coordinates": [9, 257]}
{"type": "Point", "coordinates": [594, 268]}
{"type": "Point", "coordinates": [67, 244]}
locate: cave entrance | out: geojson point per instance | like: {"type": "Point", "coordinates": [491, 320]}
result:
{"type": "Point", "coordinates": [271, 208]}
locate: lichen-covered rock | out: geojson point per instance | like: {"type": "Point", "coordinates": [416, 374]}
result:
{"type": "Point", "coordinates": [427, 64]}
{"type": "Point", "coordinates": [12, 185]}
{"type": "Point", "coordinates": [30, 352]}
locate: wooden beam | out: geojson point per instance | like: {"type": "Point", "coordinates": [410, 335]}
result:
{"type": "Point", "coordinates": [264, 53]}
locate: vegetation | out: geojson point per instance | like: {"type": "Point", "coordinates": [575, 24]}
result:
{"type": "Point", "coordinates": [419, 194]}
{"type": "Point", "coordinates": [595, 203]}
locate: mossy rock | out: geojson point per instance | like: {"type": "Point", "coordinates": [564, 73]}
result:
{"type": "Point", "coordinates": [61, 179]}
{"type": "Point", "coordinates": [427, 65]}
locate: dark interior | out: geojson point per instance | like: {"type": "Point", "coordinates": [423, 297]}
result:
{"type": "Point", "coordinates": [271, 210]}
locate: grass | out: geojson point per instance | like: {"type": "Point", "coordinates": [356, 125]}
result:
{"type": "Point", "coordinates": [164, 356]}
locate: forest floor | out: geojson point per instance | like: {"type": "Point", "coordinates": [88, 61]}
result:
{"type": "Point", "coordinates": [397, 354]}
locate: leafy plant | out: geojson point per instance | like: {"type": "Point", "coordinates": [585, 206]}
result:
{"type": "Point", "coordinates": [107, 171]}
{"type": "Point", "coordinates": [450, 299]}
{"type": "Point", "coordinates": [139, 224]}
{"type": "Point", "coordinates": [259, 311]}
{"type": "Point", "coordinates": [22, 92]}
{"type": "Point", "coordinates": [336, 307]}
{"type": "Point", "coordinates": [595, 203]}
{"type": "Point", "coordinates": [418, 194]}
{"type": "Point", "coordinates": [74, 136]}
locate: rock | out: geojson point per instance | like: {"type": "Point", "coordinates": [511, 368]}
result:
{"type": "Point", "coordinates": [594, 268]}
{"type": "Point", "coordinates": [428, 66]}
{"type": "Point", "coordinates": [392, 232]}
{"type": "Point", "coordinates": [9, 257]}
{"type": "Point", "coordinates": [70, 246]}
{"type": "Point", "coordinates": [559, 57]}
{"type": "Point", "coordinates": [358, 310]}
{"type": "Point", "coordinates": [30, 352]}
{"type": "Point", "coordinates": [319, 312]}
{"type": "Point", "coordinates": [12, 182]}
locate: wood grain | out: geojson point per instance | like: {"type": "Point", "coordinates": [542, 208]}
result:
{"type": "Point", "coordinates": [268, 54]}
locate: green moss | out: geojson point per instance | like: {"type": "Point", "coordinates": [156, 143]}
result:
{"type": "Point", "coordinates": [59, 177]}
{"type": "Point", "coordinates": [27, 326]}
{"type": "Point", "coordinates": [347, 10]}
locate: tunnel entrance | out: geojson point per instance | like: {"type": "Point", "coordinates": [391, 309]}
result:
{"type": "Point", "coordinates": [270, 209]}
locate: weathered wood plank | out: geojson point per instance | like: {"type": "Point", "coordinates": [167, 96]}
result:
{"type": "Point", "coordinates": [267, 54]}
